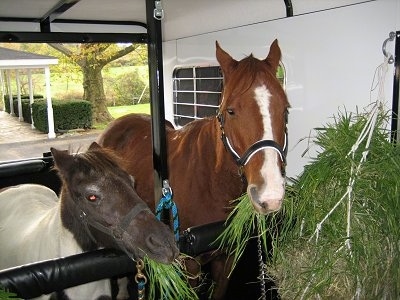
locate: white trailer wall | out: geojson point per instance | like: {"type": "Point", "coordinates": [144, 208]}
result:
{"type": "Point", "coordinates": [330, 58]}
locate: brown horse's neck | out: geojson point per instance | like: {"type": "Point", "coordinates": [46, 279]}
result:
{"type": "Point", "coordinates": [223, 157]}
{"type": "Point", "coordinates": [208, 144]}
{"type": "Point", "coordinates": [70, 218]}
{"type": "Point", "coordinates": [202, 140]}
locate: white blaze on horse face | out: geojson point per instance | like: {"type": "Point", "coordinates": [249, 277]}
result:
{"type": "Point", "coordinates": [271, 194]}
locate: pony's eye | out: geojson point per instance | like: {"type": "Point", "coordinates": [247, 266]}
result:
{"type": "Point", "coordinates": [92, 198]}
{"type": "Point", "coordinates": [230, 111]}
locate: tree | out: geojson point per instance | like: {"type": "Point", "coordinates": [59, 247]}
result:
{"type": "Point", "coordinates": [92, 58]}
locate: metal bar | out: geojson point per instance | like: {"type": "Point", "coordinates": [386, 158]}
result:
{"type": "Point", "coordinates": [76, 21]}
{"type": "Point", "coordinates": [71, 37]}
{"type": "Point", "coordinates": [61, 7]}
{"type": "Point", "coordinates": [396, 93]}
{"type": "Point", "coordinates": [54, 12]}
{"type": "Point", "coordinates": [156, 99]}
{"type": "Point", "coordinates": [289, 8]}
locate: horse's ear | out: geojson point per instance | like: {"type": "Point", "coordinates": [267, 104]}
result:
{"type": "Point", "coordinates": [274, 55]}
{"type": "Point", "coordinates": [226, 62]}
{"type": "Point", "coordinates": [94, 146]}
{"type": "Point", "coordinates": [62, 159]}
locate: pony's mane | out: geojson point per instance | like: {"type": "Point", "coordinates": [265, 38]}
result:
{"type": "Point", "coordinates": [101, 159]}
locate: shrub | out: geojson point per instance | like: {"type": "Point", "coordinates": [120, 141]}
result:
{"type": "Point", "coordinates": [15, 102]}
{"type": "Point", "coordinates": [68, 115]}
{"type": "Point", "coordinates": [127, 89]}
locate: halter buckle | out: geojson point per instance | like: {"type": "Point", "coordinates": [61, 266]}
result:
{"type": "Point", "coordinates": [117, 233]}
{"type": "Point", "coordinates": [241, 170]}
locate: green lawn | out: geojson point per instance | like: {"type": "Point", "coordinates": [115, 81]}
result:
{"type": "Point", "coordinates": [119, 111]}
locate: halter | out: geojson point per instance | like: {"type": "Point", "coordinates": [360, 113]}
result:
{"type": "Point", "coordinates": [116, 231]}
{"type": "Point", "coordinates": [253, 149]}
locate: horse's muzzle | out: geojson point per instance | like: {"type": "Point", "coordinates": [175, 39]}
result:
{"type": "Point", "coordinates": [265, 202]}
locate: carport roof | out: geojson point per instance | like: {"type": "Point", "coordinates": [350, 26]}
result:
{"type": "Point", "coordinates": [14, 59]}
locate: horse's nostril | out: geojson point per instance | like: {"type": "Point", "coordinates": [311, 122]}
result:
{"type": "Point", "coordinates": [152, 241]}
{"type": "Point", "coordinates": [253, 192]}
{"type": "Point", "coordinates": [157, 246]}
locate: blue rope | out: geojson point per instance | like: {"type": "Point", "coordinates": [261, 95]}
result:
{"type": "Point", "coordinates": [141, 289]}
{"type": "Point", "coordinates": [167, 203]}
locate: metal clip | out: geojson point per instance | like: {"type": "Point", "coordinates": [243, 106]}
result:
{"type": "Point", "coordinates": [391, 37]}
{"type": "Point", "coordinates": [158, 11]}
{"type": "Point", "coordinates": [140, 279]}
{"type": "Point", "coordinates": [166, 189]}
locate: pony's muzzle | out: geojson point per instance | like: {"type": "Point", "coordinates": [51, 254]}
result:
{"type": "Point", "coordinates": [267, 201]}
{"type": "Point", "coordinates": [164, 248]}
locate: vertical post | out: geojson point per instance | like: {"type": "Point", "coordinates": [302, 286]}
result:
{"type": "Point", "coordinates": [50, 118]}
{"type": "Point", "coordinates": [10, 96]}
{"type": "Point", "coordinates": [395, 126]}
{"type": "Point", "coordinates": [156, 99]}
{"type": "Point", "coordinates": [31, 96]}
{"type": "Point", "coordinates": [20, 116]}
{"type": "Point", "coordinates": [2, 91]}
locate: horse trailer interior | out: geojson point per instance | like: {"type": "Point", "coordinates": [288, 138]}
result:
{"type": "Point", "coordinates": [330, 54]}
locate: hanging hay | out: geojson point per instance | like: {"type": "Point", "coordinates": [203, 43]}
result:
{"type": "Point", "coordinates": [4, 295]}
{"type": "Point", "coordinates": [318, 260]}
{"type": "Point", "coordinates": [239, 228]}
{"type": "Point", "coordinates": [167, 281]}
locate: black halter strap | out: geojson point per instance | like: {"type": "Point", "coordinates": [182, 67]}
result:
{"type": "Point", "coordinates": [257, 146]}
{"type": "Point", "coordinates": [116, 231]}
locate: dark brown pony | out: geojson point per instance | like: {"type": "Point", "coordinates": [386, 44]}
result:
{"type": "Point", "coordinates": [203, 167]}
{"type": "Point", "coordinates": [98, 207]}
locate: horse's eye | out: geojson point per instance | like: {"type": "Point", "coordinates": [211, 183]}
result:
{"type": "Point", "coordinates": [230, 111]}
{"type": "Point", "coordinates": [92, 198]}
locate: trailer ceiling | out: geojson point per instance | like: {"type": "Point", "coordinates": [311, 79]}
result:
{"type": "Point", "coordinates": [182, 18]}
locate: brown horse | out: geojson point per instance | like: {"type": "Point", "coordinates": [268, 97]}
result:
{"type": "Point", "coordinates": [98, 207]}
{"type": "Point", "coordinates": [249, 134]}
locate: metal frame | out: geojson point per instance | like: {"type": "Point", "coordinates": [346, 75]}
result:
{"type": "Point", "coordinates": [71, 37]}
{"type": "Point", "coordinates": [396, 93]}
{"type": "Point", "coordinates": [156, 98]}
{"type": "Point", "coordinates": [152, 38]}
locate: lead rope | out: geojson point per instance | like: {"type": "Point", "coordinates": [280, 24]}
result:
{"type": "Point", "coordinates": [261, 263]}
{"type": "Point", "coordinates": [166, 203]}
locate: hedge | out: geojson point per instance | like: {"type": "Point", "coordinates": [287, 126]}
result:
{"type": "Point", "coordinates": [25, 99]}
{"type": "Point", "coordinates": [71, 114]}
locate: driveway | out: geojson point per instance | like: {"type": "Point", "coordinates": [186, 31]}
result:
{"type": "Point", "coordinates": [19, 141]}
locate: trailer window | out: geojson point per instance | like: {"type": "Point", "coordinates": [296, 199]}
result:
{"type": "Point", "coordinates": [197, 91]}
{"type": "Point", "coordinates": [37, 76]}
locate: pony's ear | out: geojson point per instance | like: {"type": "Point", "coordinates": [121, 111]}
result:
{"type": "Point", "coordinates": [274, 55]}
{"type": "Point", "coordinates": [94, 146]}
{"type": "Point", "coordinates": [62, 159]}
{"type": "Point", "coordinates": [226, 62]}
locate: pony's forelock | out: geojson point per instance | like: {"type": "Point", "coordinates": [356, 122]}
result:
{"type": "Point", "coordinates": [102, 159]}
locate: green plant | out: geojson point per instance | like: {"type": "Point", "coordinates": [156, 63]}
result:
{"type": "Point", "coordinates": [128, 88]}
{"type": "Point", "coordinates": [4, 295]}
{"type": "Point", "coordinates": [67, 115]}
{"type": "Point", "coordinates": [25, 102]}
{"type": "Point", "coordinates": [168, 281]}
{"type": "Point", "coordinates": [337, 235]}
{"type": "Point", "coordinates": [344, 239]}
